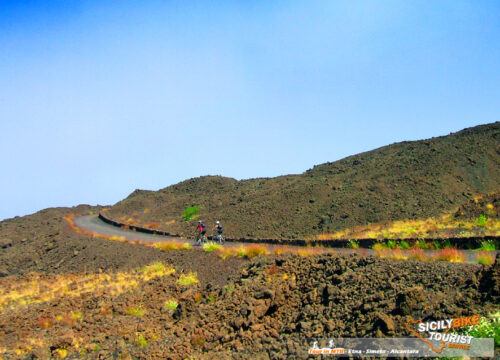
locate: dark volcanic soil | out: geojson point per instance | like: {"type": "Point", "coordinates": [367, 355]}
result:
{"type": "Point", "coordinates": [249, 309]}
{"type": "Point", "coordinates": [407, 180]}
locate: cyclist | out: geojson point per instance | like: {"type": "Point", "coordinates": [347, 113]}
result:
{"type": "Point", "coordinates": [201, 230]}
{"type": "Point", "coordinates": [218, 231]}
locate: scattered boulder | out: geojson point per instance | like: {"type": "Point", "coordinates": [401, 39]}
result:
{"type": "Point", "coordinates": [5, 243]}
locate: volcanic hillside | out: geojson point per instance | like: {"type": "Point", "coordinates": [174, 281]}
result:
{"type": "Point", "coordinates": [405, 180]}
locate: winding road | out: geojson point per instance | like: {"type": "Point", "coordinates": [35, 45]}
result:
{"type": "Point", "coordinates": [94, 224]}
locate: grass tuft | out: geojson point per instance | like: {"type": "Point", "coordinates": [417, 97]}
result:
{"type": "Point", "coordinates": [188, 279]}
{"type": "Point", "coordinates": [155, 269]}
{"type": "Point", "coordinates": [211, 246]}
{"type": "Point", "coordinates": [451, 255]}
{"type": "Point", "coordinates": [135, 312]}
{"type": "Point", "coordinates": [171, 304]}
{"type": "Point", "coordinates": [488, 327]}
{"type": "Point", "coordinates": [61, 353]}
{"type": "Point", "coordinates": [487, 245]}
{"type": "Point", "coordinates": [353, 244]}
{"type": "Point", "coordinates": [141, 341]}
{"type": "Point", "coordinates": [485, 257]}
{"type": "Point", "coordinates": [418, 254]}
{"type": "Point", "coordinates": [255, 250]}
{"type": "Point", "coordinates": [281, 250]}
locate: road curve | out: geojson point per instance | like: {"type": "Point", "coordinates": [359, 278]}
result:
{"type": "Point", "coordinates": [94, 224]}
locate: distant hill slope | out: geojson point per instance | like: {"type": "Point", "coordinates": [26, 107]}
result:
{"type": "Point", "coordinates": [401, 181]}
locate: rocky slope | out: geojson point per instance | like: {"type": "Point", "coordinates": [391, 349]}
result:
{"type": "Point", "coordinates": [406, 180]}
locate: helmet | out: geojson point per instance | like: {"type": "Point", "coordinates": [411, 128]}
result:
{"type": "Point", "coordinates": [199, 221]}
{"type": "Point", "coordinates": [217, 222]}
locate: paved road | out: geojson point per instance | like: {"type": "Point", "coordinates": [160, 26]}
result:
{"type": "Point", "coordinates": [94, 224]}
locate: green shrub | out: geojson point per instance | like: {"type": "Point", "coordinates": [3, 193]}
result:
{"type": "Point", "coordinates": [171, 304]}
{"type": "Point", "coordinates": [391, 244]}
{"type": "Point", "coordinates": [353, 244]}
{"type": "Point", "coordinates": [379, 246]}
{"type": "Point", "coordinates": [141, 341]}
{"type": "Point", "coordinates": [421, 244]}
{"type": "Point", "coordinates": [255, 250]}
{"type": "Point", "coordinates": [447, 244]}
{"type": "Point", "coordinates": [487, 328]}
{"type": "Point", "coordinates": [487, 245]}
{"type": "Point", "coordinates": [191, 212]}
{"type": "Point", "coordinates": [404, 245]}
{"type": "Point", "coordinates": [481, 221]}
{"type": "Point", "coordinates": [135, 312]}
{"type": "Point", "coordinates": [188, 279]}
{"type": "Point", "coordinates": [211, 246]}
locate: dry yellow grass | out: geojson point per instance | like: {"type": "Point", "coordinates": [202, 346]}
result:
{"type": "Point", "coordinates": [38, 289]}
{"type": "Point", "coordinates": [444, 226]}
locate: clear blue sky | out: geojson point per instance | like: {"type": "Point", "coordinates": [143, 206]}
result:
{"type": "Point", "coordinates": [100, 98]}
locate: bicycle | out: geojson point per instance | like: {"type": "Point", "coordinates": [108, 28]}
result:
{"type": "Point", "coordinates": [218, 238]}
{"type": "Point", "coordinates": [200, 239]}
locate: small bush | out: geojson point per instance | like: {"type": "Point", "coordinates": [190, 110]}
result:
{"type": "Point", "coordinates": [379, 246]}
{"type": "Point", "coordinates": [447, 244]}
{"type": "Point", "coordinates": [211, 246]}
{"type": "Point", "coordinates": [487, 245]}
{"type": "Point", "coordinates": [61, 353]}
{"type": "Point", "coordinates": [391, 244]}
{"type": "Point", "coordinates": [167, 246]}
{"type": "Point", "coordinates": [255, 250]}
{"type": "Point", "coordinates": [421, 244]}
{"type": "Point", "coordinates": [170, 246]}
{"type": "Point", "coordinates": [191, 212]}
{"type": "Point", "coordinates": [451, 255]}
{"type": "Point", "coordinates": [304, 252]}
{"type": "Point", "coordinates": [418, 254]}
{"type": "Point", "coordinates": [403, 245]}
{"type": "Point", "coordinates": [141, 341]}
{"type": "Point", "coordinates": [76, 315]}
{"type": "Point", "coordinates": [241, 252]}
{"type": "Point", "coordinates": [481, 221]}
{"type": "Point", "coordinates": [171, 304]}
{"type": "Point", "coordinates": [156, 269]}
{"type": "Point", "coordinates": [188, 279]}
{"type": "Point", "coordinates": [435, 245]}
{"type": "Point", "coordinates": [135, 312]}
{"type": "Point", "coordinates": [227, 252]}
{"type": "Point", "coordinates": [353, 244]}
{"type": "Point", "coordinates": [485, 258]}
{"type": "Point", "coordinates": [281, 250]}
{"type": "Point", "coordinates": [487, 328]}
{"type": "Point", "coordinates": [397, 255]}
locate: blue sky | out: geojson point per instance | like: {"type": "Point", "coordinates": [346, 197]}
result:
{"type": "Point", "coordinates": [100, 98]}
